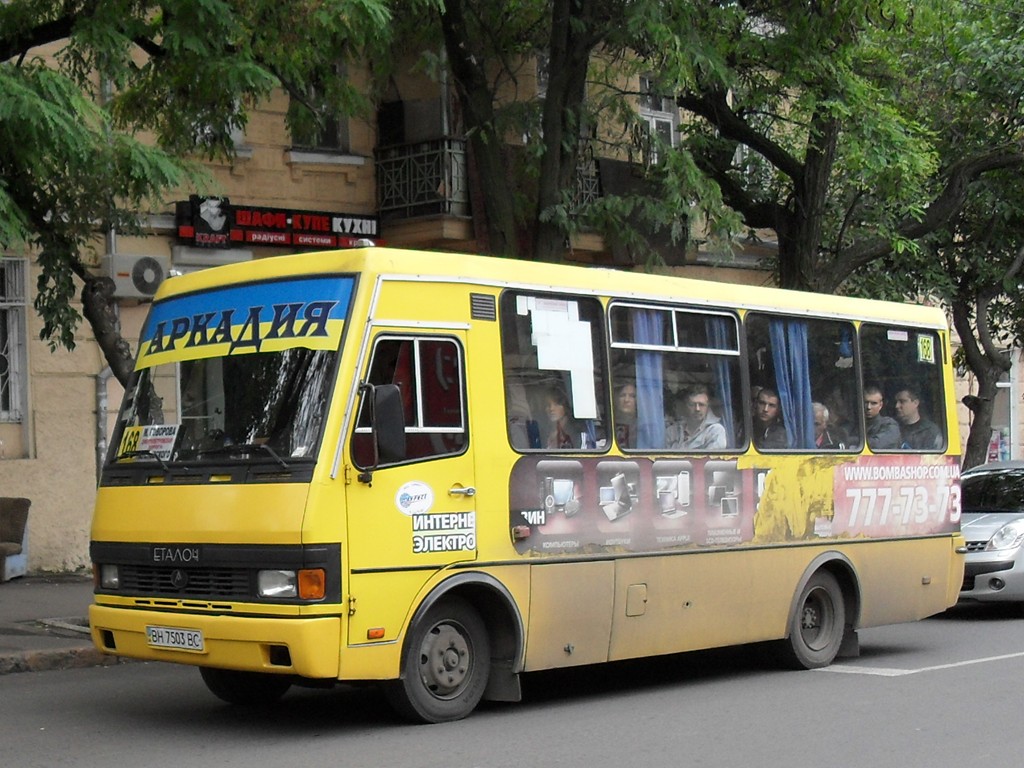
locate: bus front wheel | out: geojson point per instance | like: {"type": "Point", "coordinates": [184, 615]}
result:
{"type": "Point", "coordinates": [816, 629]}
{"type": "Point", "coordinates": [446, 665]}
{"type": "Point", "coordinates": [252, 689]}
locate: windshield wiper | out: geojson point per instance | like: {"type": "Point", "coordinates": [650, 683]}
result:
{"type": "Point", "coordinates": [236, 448]}
{"type": "Point", "coordinates": [143, 455]}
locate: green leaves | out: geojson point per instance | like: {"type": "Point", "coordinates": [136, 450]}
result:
{"type": "Point", "coordinates": [107, 106]}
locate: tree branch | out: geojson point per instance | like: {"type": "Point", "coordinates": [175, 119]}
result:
{"type": "Point", "coordinates": [958, 178]}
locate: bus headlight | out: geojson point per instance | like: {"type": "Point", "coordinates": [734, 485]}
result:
{"type": "Point", "coordinates": [307, 584]}
{"type": "Point", "coordinates": [276, 584]}
{"type": "Point", "coordinates": [110, 577]}
{"type": "Point", "coordinates": [1009, 536]}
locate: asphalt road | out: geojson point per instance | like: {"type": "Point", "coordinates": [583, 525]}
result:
{"type": "Point", "coordinates": [942, 692]}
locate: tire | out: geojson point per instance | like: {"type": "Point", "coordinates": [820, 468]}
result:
{"type": "Point", "coordinates": [252, 689]}
{"type": "Point", "coordinates": [445, 667]}
{"type": "Point", "coordinates": [816, 629]}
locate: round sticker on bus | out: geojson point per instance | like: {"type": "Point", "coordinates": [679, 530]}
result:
{"type": "Point", "coordinates": [414, 498]}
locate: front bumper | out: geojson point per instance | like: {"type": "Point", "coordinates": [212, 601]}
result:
{"type": "Point", "coordinates": [994, 576]}
{"type": "Point", "coordinates": [303, 646]}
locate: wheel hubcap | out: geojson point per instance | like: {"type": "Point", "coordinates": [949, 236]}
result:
{"type": "Point", "coordinates": [445, 660]}
{"type": "Point", "coordinates": [815, 620]}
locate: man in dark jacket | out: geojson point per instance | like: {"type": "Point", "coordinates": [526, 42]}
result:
{"type": "Point", "coordinates": [769, 431]}
{"type": "Point", "coordinates": [883, 431]}
{"type": "Point", "coordinates": [917, 433]}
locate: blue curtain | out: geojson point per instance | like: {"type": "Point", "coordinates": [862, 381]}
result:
{"type": "Point", "coordinates": [720, 337]}
{"type": "Point", "coordinates": [793, 379]}
{"type": "Point", "coordinates": [650, 398]}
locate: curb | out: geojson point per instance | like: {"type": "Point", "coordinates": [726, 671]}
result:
{"type": "Point", "coordinates": [48, 661]}
{"type": "Point", "coordinates": [77, 655]}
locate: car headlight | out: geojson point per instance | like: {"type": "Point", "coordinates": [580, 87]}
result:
{"type": "Point", "coordinates": [1008, 537]}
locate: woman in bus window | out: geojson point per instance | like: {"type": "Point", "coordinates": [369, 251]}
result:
{"type": "Point", "coordinates": [625, 415]}
{"type": "Point", "coordinates": [566, 432]}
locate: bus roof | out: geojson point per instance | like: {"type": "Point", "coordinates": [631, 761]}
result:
{"type": "Point", "coordinates": [434, 266]}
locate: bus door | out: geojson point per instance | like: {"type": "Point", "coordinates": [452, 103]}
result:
{"type": "Point", "coordinates": [412, 513]}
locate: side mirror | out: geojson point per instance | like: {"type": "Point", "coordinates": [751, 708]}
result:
{"type": "Point", "coordinates": [388, 423]}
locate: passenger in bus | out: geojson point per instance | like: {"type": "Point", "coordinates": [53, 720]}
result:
{"type": "Point", "coordinates": [625, 415]}
{"type": "Point", "coordinates": [827, 436]}
{"type": "Point", "coordinates": [917, 433]}
{"type": "Point", "coordinates": [882, 431]}
{"type": "Point", "coordinates": [522, 427]}
{"type": "Point", "coordinates": [769, 431]}
{"type": "Point", "coordinates": [701, 429]}
{"type": "Point", "coordinates": [566, 432]}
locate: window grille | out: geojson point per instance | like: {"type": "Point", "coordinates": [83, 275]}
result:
{"type": "Point", "coordinates": [12, 324]}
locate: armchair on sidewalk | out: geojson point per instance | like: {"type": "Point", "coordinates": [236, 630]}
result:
{"type": "Point", "coordinates": [13, 537]}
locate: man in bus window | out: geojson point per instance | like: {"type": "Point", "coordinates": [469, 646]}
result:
{"type": "Point", "coordinates": [827, 436]}
{"type": "Point", "coordinates": [769, 431]}
{"type": "Point", "coordinates": [701, 429]}
{"type": "Point", "coordinates": [883, 431]}
{"type": "Point", "coordinates": [917, 433]}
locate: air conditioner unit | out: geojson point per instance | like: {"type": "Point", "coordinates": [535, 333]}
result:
{"type": "Point", "coordinates": [135, 276]}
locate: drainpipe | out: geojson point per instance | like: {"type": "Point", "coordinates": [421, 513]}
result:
{"type": "Point", "coordinates": [102, 378]}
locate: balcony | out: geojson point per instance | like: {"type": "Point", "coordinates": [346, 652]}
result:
{"type": "Point", "coordinates": [427, 178]}
{"type": "Point", "coordinates": [423, 194]}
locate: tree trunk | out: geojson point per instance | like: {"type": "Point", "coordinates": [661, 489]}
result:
{"type": "Point", "coordinates": [800, 262]}
{"type": "Point", "coordinates": [98, 306]}
{"type": "Point", "coordinates": [982, 407]}
{"type": "Point", "coordinates": [571, 22]}
{"type": "Point", "coordinates": [477, 101]}
{"type": "Point", "coordinates": [987, 364]}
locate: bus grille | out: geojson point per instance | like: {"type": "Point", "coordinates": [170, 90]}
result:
{"type": "Point", "coordinates": [202, 582]}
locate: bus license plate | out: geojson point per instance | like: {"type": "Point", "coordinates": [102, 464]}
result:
{"type": "Point", "coordinates": [173, 637]}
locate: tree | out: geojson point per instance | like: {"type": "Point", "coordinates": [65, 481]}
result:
{"type": "Point", "coordinates": [809, 117]}
{"type": "Point", "coordinates": [82, 82]}
{"type": "Point", "coordinates": [528, 149]}
{"type": "Point", "coordinates": [968, 94]}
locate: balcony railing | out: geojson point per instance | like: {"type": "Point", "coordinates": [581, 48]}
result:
{"type": "Point", "coordinates": [427, 178]}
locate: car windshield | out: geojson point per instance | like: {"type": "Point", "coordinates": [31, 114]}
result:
{"type": "Point", "coordinates": [268, 405]}
{"type": "Point", "coordinates": [994, 491]}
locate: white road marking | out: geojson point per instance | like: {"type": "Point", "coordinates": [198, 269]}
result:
{"type": "Point", "coordinates": [850, 669]}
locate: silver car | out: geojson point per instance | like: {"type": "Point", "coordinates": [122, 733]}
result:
{"type": "Point", "coordinates": [993, 525]}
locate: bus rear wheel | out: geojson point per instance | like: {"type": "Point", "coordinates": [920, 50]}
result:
{"type": "Point", "coordinates": [251, 689]}
{"type": "Point", "coordinates": [816, 629]}
{"type": "Point", "coordinates": [446, 665]}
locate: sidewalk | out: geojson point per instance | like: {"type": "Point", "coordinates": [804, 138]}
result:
{"type": "Point", "coordinates": [44, 624]}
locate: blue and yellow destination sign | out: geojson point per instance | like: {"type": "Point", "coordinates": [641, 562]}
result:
{"type": "Point", "coordinates": [269, 316]}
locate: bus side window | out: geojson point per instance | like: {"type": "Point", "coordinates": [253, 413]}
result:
{"type": "Point", "coordinates": [804, 375]}
{"type": "Point", "coordinates": [553, 363]}
{"type": "Point", "coordinates": [671, 357]}
{"type": "Point", "coordinates": [429, 374]}
{"type": "Point", "coordinates": [903, 368]}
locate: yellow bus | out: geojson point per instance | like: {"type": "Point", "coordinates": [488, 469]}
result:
{"type": "Point", "coordinates": [435, 472]}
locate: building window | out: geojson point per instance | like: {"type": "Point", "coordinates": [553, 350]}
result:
{"type": "Point", "coordinates": [317, 125]}
{"type": "Point", "coordinates": [12, 334]}
{"type": "Point", "coordinates": [543, 61]}
{"type": "Point", "coordinates": [660, 119]}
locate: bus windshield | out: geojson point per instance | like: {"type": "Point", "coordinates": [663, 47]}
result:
{"type": "Point", "coordinates": [225, 408]}
{"type": "Point", "coordinates": [237, 373]}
